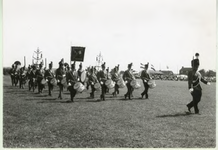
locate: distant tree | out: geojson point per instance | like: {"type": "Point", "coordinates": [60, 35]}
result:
{"type": "Point", "coordinates": [203, 72]}
{"type": "Point", "coordinates": [210, 73]}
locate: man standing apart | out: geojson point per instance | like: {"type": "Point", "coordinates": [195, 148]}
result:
{"type": "Point", "coordinates": [194, 78]}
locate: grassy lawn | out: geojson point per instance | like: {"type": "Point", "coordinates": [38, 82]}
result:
{"type": "Point", "coordinates": [33, 120]}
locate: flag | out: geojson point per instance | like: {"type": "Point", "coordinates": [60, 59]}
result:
{"type": "Point", "coordinates": [152, 67]}
{"type": "Point", "coordinates": [77, 53]}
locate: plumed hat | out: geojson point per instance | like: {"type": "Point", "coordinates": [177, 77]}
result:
{"type": "Point", "coordinates": [146, 65]}
{"type": "Point", "coordinates": [51, 64]}
{"type": "Point", "coordinates": [130, 65]}
{"type": "Point", "coordinates": [73, 66]}
{"type": "Point", "coordinates": [103, 65]}
{"type": "Point", "coordinates": [61, 62]}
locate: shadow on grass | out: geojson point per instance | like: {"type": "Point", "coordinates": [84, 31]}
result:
{"type": "Point", "coordinates": [175, 115]}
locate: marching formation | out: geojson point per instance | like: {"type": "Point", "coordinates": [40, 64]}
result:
{"type": "Point", "coordinates": [76, 81]}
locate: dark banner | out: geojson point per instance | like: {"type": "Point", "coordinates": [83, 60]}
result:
{"type": "Point", "coordinates": [77, 53]}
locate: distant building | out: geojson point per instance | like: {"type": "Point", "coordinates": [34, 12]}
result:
{"type": "Point", "coordinates": [166, 72]}
{"type": "Point", "coordinates": [184, 70]}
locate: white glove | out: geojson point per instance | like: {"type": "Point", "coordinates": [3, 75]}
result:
{"type": "Point", "coordinates": [126, 82]}
{"type": "Point", "coordinates": [145, 80]}
{"type": "Point", "coordinates": [208, 83]}
{"type": "Point", "coordinates": [78, 79]}
{"type": "Point", "coordinates": [101, 82]}
{"type": "Point", "coordinates": [64, 75]}
{"type": "Point", "coordinates": [191, 90]}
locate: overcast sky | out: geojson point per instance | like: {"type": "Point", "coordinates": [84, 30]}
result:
{"type": "Point", "coordinates": [161, 32]}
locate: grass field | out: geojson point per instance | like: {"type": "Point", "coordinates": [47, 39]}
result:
{"type": "Point", "coordinates": [38, 121]}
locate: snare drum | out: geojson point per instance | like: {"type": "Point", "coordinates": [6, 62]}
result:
{"type": "Point", "coordinates": [151, 84]}
{"type": "Point", "coordinates": [83, 76]}
{"type": "Point", "coordinates": [43, 81]}
{"type": "Point", "coordinates": [110, 84]}
{"type": "Point", "coordinates": [121, 83]}
{"type": "Point", "coordinates": [97, 86]}
{"type": "Point", "coordinates": [135, 84]}
{"type": "Point", "coordinates": [79, 87]}
{"type": "Point", "coordinates": [53, 81]}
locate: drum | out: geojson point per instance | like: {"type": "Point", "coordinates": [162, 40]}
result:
{"type": "Point", "coordinates": [43, 81]}
{"type": "Point", "coordinates": [83, 76]}
{"type": "Point", "coordinates": [135, 84]}
{"type": "Point", "coordinates": [110, 84]}
{"type": "Point", "coordinates": [63, 81]}
{"type": "Point", "coordinates": [79, 87]}
{"type": "Point", "coordinates": [121, 83]}
{"type": "Point", "coordinates": [97, 86]}
{"type": "Point", "coordinates": [53, 81]}
{"type": "Point", "coordinates": [151, 84]}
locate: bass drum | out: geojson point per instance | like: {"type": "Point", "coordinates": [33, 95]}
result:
{"type": "Point", "coordinates": [135, 84]}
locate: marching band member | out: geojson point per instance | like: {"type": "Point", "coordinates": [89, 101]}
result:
{"type": "Point", "coordinates": [145, 78]}
{"type": "Point", "coordinates": [194, 78]}
{"type": "Point", "coordinates": [28, 74]}
{"type": "Point", "coordinates": [92, 80]}
{"type": "Point", "coordinates": [71, 80]}
{"type": "Point", "coordinates": [22, 77]}
{"type": "Point", "coordinates": [115, 78]}
{"type": "Point", "coordinates": [49, 75]}
{"type": "Point", "coordinates": [33, 78]}
{"type": "Point", "coordinates": [128, 77]}
{"type": "Point", "coordinates": [79, 72]}
{"type": "Point", "coordinates": [102, 77]}
{"type": "Point", "coordinates": [11, 72]}
{"type": "Point", "coordinates": [39, 76]}
{"type": "Point", "coordinates": [60, 74]}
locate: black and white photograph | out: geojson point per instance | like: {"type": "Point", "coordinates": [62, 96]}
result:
{"type": "Point", "coordinates": [109, 73]}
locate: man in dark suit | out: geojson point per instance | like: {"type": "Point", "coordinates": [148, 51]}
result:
{"type": "Point", "coordinates": [49, 75]}
{"type": "Point", "coordinates": [194, 78]}
{"type": "Point", "coordinates": [92, 80]}
{"type": "Point", "coordinates": [145, 78]}
{"type": "Point", "coordinates": [102, 77]}
{"type": "Point", "coordinates": [11, 72]}
{"type": "Point", "coordinates": [128, 77]}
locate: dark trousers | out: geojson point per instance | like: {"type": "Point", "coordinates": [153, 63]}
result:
{"type": "Point", "coordinates": [129, 90]}
{"type": "Point", "coordinates": [50, 88]}
{"type": "Point", "coordinates": [12, 80]}
{"type": "Point", "coordinates": [196, 94]}
{"type": "Point", "coordinates": [93, 91]}
{"type": "Point", "coordinates": [103, 91]}
{"type": "Point", "coordinates": [72, 92]}
{"type": "Point", "coordinates": [40, 86]}
{"type": "Point", "coordinates": [116, 89]}
{"type": "Point", "coordinates": [61, 87]}
{"type": "Point", "coordinates": [145, 92]}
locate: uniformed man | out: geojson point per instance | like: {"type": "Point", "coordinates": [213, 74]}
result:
{"type": "Point", "coordinates": [49, 75]}
{"type": "Point", "coordinates": [33, 82]}
{"type": "Point", "coordinates": [79, 72]}
{"type": "Point", "coordinates": [60, 74]}
{"type": "Point", "coordinates": [194, 78]}
{"type": "Point", "coordinates": [22, 77]}
{"type": "Point", "coordinates": [92, 80]}
{"type": "Point", "coordinates": [39, 76]}
{"type": "Point", "coordinates": [11, 72]}
{"type": "Point", "coordinates": [115, 77]}
{"type": "Point", "coordinates": [128, 77]}
{"type": "Point", "coordinates": [28, 76]}
{"type": "Point", "coordinates": [71, 80]}
{"type": "Point", "coordinates": [102, 77]}
{"type": "Point", "coordinates": [145, 78]}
